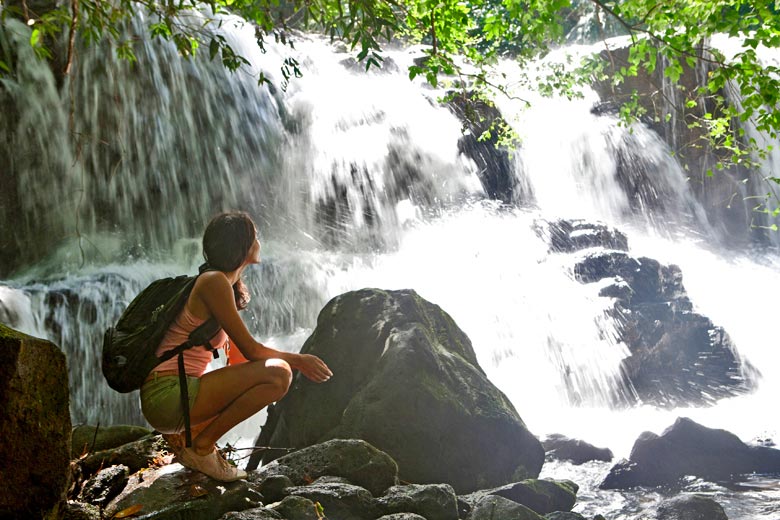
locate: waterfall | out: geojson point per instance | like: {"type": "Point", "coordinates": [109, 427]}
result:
{"type": "Point", "coordinates": [356, 180]}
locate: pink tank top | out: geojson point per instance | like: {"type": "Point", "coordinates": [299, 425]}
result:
{"type": "Point", "coordinates": [197, 358]}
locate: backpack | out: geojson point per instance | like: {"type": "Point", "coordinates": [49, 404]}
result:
{"type": "Point", "coordinates": [129, 348]}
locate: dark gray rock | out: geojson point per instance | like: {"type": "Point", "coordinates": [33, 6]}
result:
{"type": "Point", "coordinates": [105, 485]}
{"type": "Point", "coordinates": [690, 507]}
{"type": "Point", "coordinates": [560, 447]}
{"type": "Point", "coordinates": [492, 507]}
{"type": "Point", "coordinates": [341, 501]}
{"type": "Point", "coordinates": [407, 381]}
{"type": "Point", "coordinates": [353, 459]}
{"type": "Point", "coordinates": [86, 440]}
{"type": "Point", "coordinates": [168, 493]}
{"type": "Point", "coordinates": [297, 508]}
{"type": "Point", "coordinates": [272, 487]}
{"type": "Point", "coordinates": [564, 515]}
{"type": "Point", "coordinates": [542, 496]}
{"type": "Point", "coordinates": [34, 427]}
{"type": "Point", "coordinates": [432, 501]}
{"type": "Point", "coordinates": [81, 511]}
{"type": "Point", "coordinates": [135, 455]}
{"type": "Point", "coordinates": [677, 357]}
{"type": "Point", "coordinates": [402, 516]}
{"type": "Point", "coordinates": [259, 513]}
{"type": "Point", "coordinates": [574, 235]}
{"type": "Point", "coordinates": [688, 448]}
{"type": "Point", "coordinates": [495, 169]}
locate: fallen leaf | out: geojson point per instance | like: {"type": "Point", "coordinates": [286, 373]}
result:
{"type": "Point", "coordinates": [196, 490]}
{"type": "Point", "coordinates": [129, 511]}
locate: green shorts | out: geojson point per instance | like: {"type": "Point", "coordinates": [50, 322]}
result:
{"type": "Point", "coordinates": [161, 402]}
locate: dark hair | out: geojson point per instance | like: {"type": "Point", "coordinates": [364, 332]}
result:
{"type": "Point", "coordinates": [226, 242]}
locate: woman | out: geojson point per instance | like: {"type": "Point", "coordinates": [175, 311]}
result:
{"type": "Point", "coordinates": [220, 399]}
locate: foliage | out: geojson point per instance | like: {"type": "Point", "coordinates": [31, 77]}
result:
{"type": "Point", "coordinates": [673, 34]}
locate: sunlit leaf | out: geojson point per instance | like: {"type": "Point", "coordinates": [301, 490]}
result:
{"type": "Point", "coordinates": [129, 511]}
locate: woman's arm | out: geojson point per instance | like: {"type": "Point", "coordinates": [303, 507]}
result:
{"type": "Point", "coordinates": [214, 290]}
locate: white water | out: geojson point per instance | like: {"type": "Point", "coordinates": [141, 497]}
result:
{"type": "Point", "coordinates": [356, 181]}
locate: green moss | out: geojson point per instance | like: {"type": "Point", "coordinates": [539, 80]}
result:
{"type": "Point", "coordinates": [9, 333]}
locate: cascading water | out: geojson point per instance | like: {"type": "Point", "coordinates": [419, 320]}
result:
{"type": "Point", "coordinates": [356, 180]}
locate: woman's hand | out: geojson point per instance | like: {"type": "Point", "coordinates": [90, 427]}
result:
{"type": "Point", "coordinates": [313, 368]}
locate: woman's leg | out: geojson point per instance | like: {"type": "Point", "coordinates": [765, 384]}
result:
{"type": "Point", "coordinates": [232, 394]}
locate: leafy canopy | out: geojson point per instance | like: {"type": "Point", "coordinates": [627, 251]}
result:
{"type": "Point", "coordinates": [673, 32]}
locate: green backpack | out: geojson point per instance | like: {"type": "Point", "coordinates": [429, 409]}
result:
{"type": "Point", "coordinates": [129, 347]}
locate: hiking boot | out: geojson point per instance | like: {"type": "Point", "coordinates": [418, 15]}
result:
{"type": "Point", "coordinates": [212, 465]}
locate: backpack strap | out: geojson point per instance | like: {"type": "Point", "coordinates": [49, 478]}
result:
{"type": "Point", "coordinates": [201, 336]}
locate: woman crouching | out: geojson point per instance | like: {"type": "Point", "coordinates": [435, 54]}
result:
{"type": "Point", "coordinates": [256, 375]}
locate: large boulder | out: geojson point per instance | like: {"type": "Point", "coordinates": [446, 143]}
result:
{"type": "Point", "coordinates": [541, 496]}
{"type": "Point", "coordinates": [560, 447]}
{"type": "Point", "coordinates": [677, 357]}
{"type": "Point", "coordinates": [688, 448]}
{"type": "Point", "coordinates": [493, 507]}
{"type": "Point", "coordinates": [431, 501]}
{"type": "Point", "coordinates": [690, 507]}
{"type": "Point", "coordinates": [352, 459]}
{"type": "Point", "coordinates": [171, 493]}
{"type": "Point", "coordinates": [34, 427]}
{"type": "Point", "coordinates": [406, 379]}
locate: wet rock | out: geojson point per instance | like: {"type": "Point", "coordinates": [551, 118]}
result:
{"type": "Point", "coordinates": [135, 455]}
{"type": "Point", "coordinates": [560, 447]}
{"type": "Point", "coordinates": [678, 357]}
{"type": "Point", "coordinates": [341, 501]}
{"type": "Point", "coordinates": [408, 382]}
{"type": "Point", "coordinates": [105, 485]}
{"type": "Point", "coordinates": [492, 507]}
{"type": "Point", "coordinates": [494, 167]}
{"type": "Point", "coordinates": [542, 496]}
{"type": "Point", "coordinates": [34, 427]}
{"type": "Point", "coordinates": [564, 515]}
{"type": "Point", "coordinates": [171, 492]}
{"type": "Point", "coordinates": [353, 459]}
{"type": "Point", "coordinates": [259, 513]}
{"type": "Point", "coordinates": [272, 488]}
{"type": "Point", "coordinates": [402, 516]}
{"type": "Point", "coordinates": [297, 508]}
{"type": "Point", "coordinates": [432, 501]}
{"type": "Point", "coordinates": [690, 507]}
{"type": "Point", "coordinates": [688, 448]}
{"type": "Point", "coordinates": [85, 439]}
{"type": "Point", "coordinates": [572, 235]}
{"type": "Point", "coordinates": [81, 511]}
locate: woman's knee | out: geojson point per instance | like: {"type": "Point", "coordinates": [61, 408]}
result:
{"type": "Point", "coordinates": [280, 374]}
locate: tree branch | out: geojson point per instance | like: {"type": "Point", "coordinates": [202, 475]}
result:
{"type": "Point", "coordinates": [74, 20]}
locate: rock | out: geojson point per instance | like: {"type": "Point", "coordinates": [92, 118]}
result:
{"type": "Point", "coordinates": [432, 501]}
{"type": "Point", "coordinates": [259, 513]}
{"type": "Point", "coordinates": [135, 455]}
{"type": "Point", "coordinates": [560, 447]}
{"type": "Point", "coordinates": [408, 382]}
{"type": "Point", "coordinates": [353, 459]}
{"type": "Point", "coordinates": [541, 496]}
{"type": "Point", "coordinates": [272, 488]}
{"type": "Point", "coordinates": [678, 357]}
{"type": "Point", "coordinates": [688, 448]}
{"type": "Point", "coordinates": [171, 492]}
{"type": "Point", "coordinates": [690, 507]}
{"type": "Point", "coordinates": [297, 508]}
{"type": "Point", "coordinates": [34, 427]}
{"type": "Point", "coordinates": [84, 439]}
{"type": "Point", "coordinates": [105, 485]}
{"type": "Point", "coordinates": [402, 516]}
{"type": "Point", "coordinates": [564, 515]}
{"type": "Point", "coordinates": [81, 511]}
{"type": "Point", "coordinates": [340, 501]}
{"type": "Point", "coordinates": [492, 507]}
{"type": "Point", "coordinates": [568, 236]}
{"type": "Point", "coordinates": [494, 166]}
